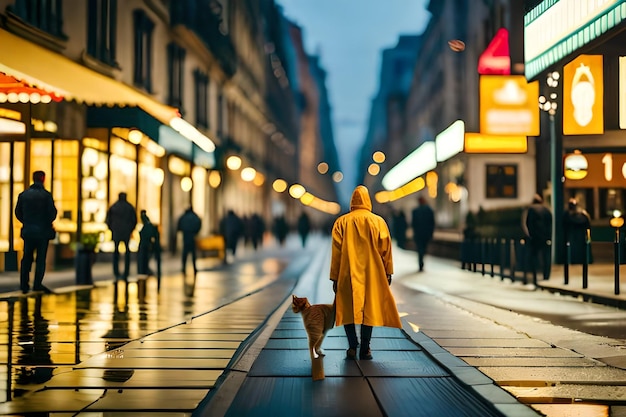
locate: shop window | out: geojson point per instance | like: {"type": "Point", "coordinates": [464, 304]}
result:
{"type": "Point", "coordinates": [101, 28]}
{"type": "Point", "coordinates": [150, 182]}
{"type": "Point", "coordinates": [123, 175]}
{"type": "Point", "coordinates": [220, 115]}
{"type": "Point", "coordinates": [46, 15]}
{"type": "Point", "coordinates": [41, 160]}
{"type": "Point", "coordinates": [64, 189]}
{"type": "Point", "coordinates": [94, 168]}
{"type": "Point", "coordinates": [501, 181]}
{"type": "Point", "coordinates": [611, 199]}
{"type": "Point", "coordinates": [201, 96]}
{"type": "Point", "coordinates": [7, 204]}
{"type": "Point", "coordinates": [143, 50]}
{"type": "Point", "coordinates": [176, 67]}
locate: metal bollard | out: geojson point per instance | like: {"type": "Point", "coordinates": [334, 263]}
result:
{"type": "Point", "coordinates": [617, 222]}
{"type": "Point", "coordinates": [616, 245]}
{"type": "Point", "coordinates": [586, 260]}
{"type": "Point", "coordinates": [566, 264]}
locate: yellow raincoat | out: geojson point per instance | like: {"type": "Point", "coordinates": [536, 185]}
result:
{"type": "Point", "coordinates": [361, 260]}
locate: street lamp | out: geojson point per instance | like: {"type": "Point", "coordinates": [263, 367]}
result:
{"type": "Point", "coordinates": [549, 104]}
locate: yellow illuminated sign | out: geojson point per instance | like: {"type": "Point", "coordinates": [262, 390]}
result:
{"type": "Point", "coordinates": [481, 143]}
{"type": "Point", "coordinates": [509, 105]}
{"type": "Point", "coordinates": [605, 169]}
{"type": "Point", "coordinates": [583, 91]}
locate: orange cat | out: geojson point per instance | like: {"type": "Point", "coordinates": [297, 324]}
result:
{"type": "Point", "coordinates": [318, 320]}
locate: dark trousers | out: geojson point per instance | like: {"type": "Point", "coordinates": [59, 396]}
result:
{"type": "Point", "coordinates": [539, 253]}
{"type": "Point", "coordinates": [189, 249]}
{"type": "Point", "coordinates": [420, 246]}
{"type": "Point", "coordinates": [30, 247]}
{"type": "Point", "coordinates": [116, 260]}
{"type": "Point", "coordinates": [366, 336]}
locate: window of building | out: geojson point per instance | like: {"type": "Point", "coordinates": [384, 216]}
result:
{"type": "Point", "coordinates": [220, 115]}
{"type": "Point", "coordinates": [176, 66]}
{"type": "Point", "coordinates": [201, 96]}
{"type": "Point", "coordinates": [143, 50]}
{"type": "Point", "coordinates": [101, 27]}
{"type": "Point", "coordinates": [501, 181]}
{"type": "Point", "coordinates": [12, 157]}
{"type": "Point", "coordinates": [46, 15]}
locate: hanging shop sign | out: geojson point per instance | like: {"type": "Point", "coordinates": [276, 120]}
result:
{"type": "Point", "coordinates": [595, 170]}
{"type": "Point", "coordinates": [556, 29]}
{"type": "Point", "coordinates": [482, 143]}
{"type": "Point", "coordinates": [508, 105]}
{"type": "Point", "coordinates": [583, 96]}
{"type": "Point", "coordinates": [496, 59]}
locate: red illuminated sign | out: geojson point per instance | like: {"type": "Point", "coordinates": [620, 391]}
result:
{"type": "Point", "coordinates": [496, 59]}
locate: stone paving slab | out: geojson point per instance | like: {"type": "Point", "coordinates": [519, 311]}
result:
{"type": "Point", "coordinates": [501, 343]}
{"type": "Point", "coordinates": [172, 344]}
{"type": "Point", "coordinates": [527, 376]}
{"type": "Point", "coordinates": [565, 392]}
{"type": "Point", "coordinates": [296, 363]}
{"type": "Point", "coordinates": [203, 337]}
{"type": "Point", "coordinates": [154, 363]}
{"type": "Point", "coordinates": [530, 362]}
{"type": "Point", "coordinates": [140, 378]}
{"type": "Point", "coordinates": [512, 352]}
{"type": "Point", "coordinates": [303, 397]}
{"type": "Point", "coordinates": [173, 353]}
{"type": "Point", "coordinates": [339, 343]}
{"type": "Point", "coordinates": [428, 397]}
{"type": "Point", "coordinates": [145, 401]}
{"type": "Point", "coordinates": [491, 333]}
{"type": "Point", "coordinates": [51, 401]}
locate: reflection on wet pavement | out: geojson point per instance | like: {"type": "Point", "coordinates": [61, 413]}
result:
{"type": "Point", "coordinates": [42, 336]}
{"type": "Point", "coordinates": [138, 348]}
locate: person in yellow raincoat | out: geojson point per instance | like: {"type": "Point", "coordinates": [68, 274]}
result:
{"type": "Point", "coordinates": [361, 268]}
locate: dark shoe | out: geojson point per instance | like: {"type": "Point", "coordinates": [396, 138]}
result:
{"type": "Point", "coordinates": [25, 289]}
{"type": "Point", "coordinates": [365, 355]}
{"type": "Point", "coordinates": [351, 354]}
{"type": "Point", "coordinates": [42, 289]}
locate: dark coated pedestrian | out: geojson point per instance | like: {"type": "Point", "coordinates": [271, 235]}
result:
{"type": "Point", "coordinates": [122, 220]}
{"type": "Point", "coordinates": [149, 247]}
{"type": "Point", "coordinates": [423, 224]}
{"type": "Point", "coordinates": [398, 227]}
{"type": "Point", "coordinates": [257, 230]}
{"type": "Point", "coordinates": [304, 227]}
{"type": "Point", "coordinates": [231, 228]}
{"type": "Point", "coordinates": [577, 228]}
{"type": "Point", "coordinates": [189, 224]}
{"type": "Point", "coordinates": [36, 211]}
{"type": "Point", "coordinates": [537, 225]}
{"type": "Point", "coordinates": [281, 228]}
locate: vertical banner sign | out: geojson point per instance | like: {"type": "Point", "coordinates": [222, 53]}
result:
{"type": "Point", "coordinates": [583, 96]}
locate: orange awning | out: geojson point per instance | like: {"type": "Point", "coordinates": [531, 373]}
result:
{"type": "Point", "coordinates": [45, 69]}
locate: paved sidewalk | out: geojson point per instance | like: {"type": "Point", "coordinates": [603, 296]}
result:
{"type": "Point", "coordinates": [275, 358]}
{"type": "Point", "coordinates": [410, 374]}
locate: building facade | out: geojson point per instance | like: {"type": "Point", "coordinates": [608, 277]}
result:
{"type": "Point", "coordinates": [146, 97]}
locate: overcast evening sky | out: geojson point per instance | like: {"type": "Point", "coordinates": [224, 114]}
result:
{"type": "Point", "coordinates": [349, 36]}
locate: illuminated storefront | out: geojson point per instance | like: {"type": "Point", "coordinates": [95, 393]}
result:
{"type": "Point", "coordinates": [581, 43]}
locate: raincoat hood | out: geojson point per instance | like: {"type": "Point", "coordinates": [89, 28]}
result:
{"type": "Point", "coordinates": [360, 199]}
